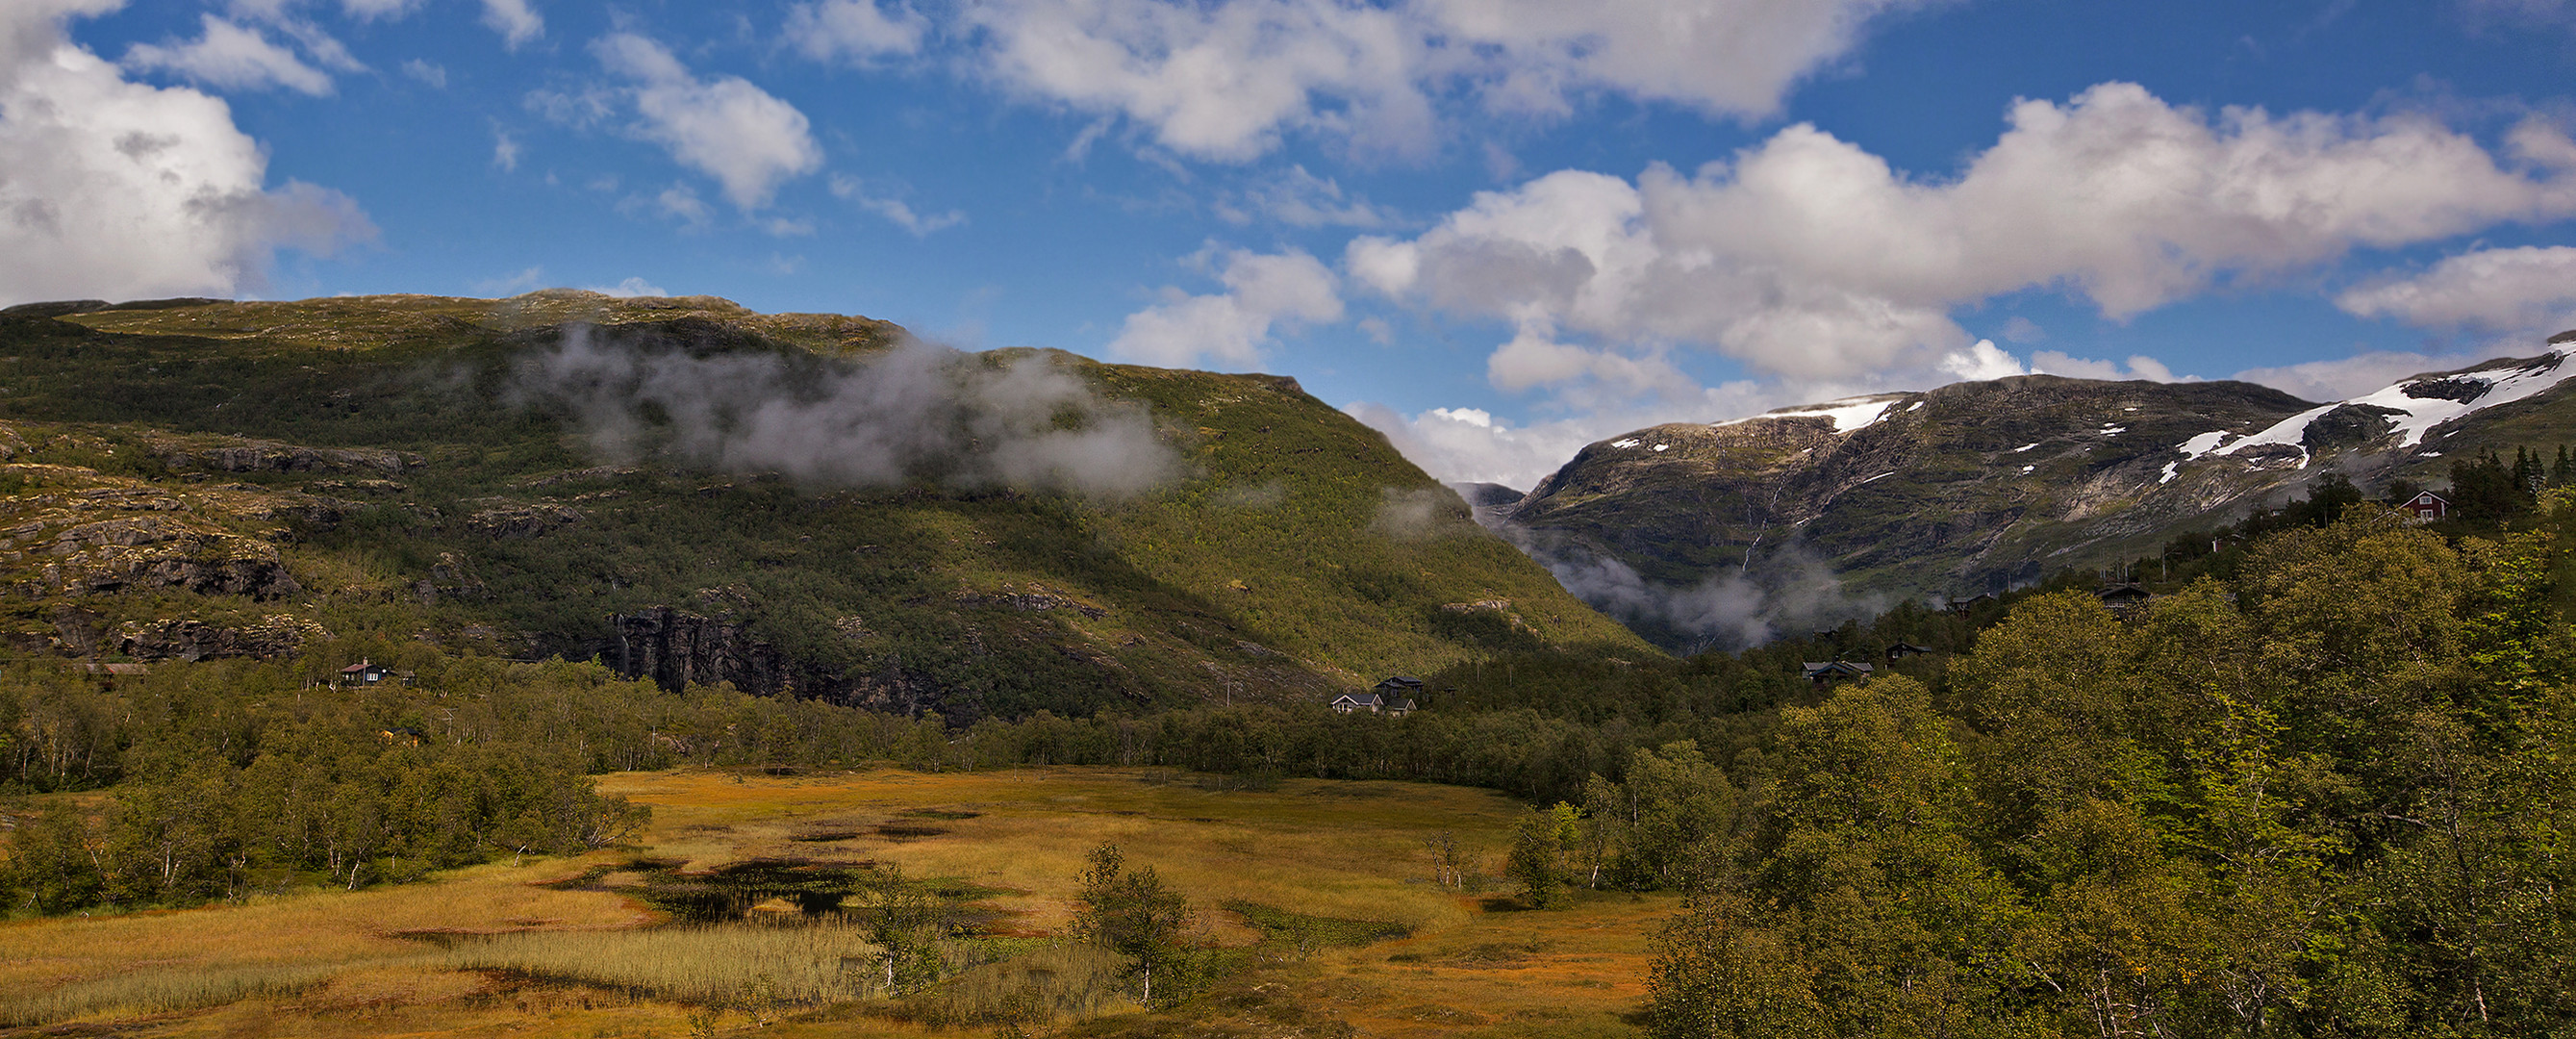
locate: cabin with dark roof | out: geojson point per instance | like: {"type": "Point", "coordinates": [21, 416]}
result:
{"type": "Point", "coordinates": [1903, 650]}
{"type": "Point", "coordinates": [1389, 697]}
{"type": "Point", "coordinates": [1963, 606]}
{"type": "Point", "coordinates": [1827, 672]}
{"type": "Point", "coordinates": [2427, 507]}
{"type": "Point", "coordinates": [2121, 598]}
{"type": "Point", "coordinates": [364, 673]}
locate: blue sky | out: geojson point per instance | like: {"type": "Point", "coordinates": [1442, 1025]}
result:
{"type": "Point", "coordinates": [1496, 229]}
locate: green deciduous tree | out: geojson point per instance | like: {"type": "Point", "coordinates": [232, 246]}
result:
{"type": "Point", "coordinates": [1132, 913]}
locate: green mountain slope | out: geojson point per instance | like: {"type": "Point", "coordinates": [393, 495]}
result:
{"type": "Point", "coordinates": [697, 492]}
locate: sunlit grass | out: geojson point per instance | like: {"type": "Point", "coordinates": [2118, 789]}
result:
{"type": "Point", "coordinates": [771, 965]}
{"type": "Point", "coordinates": [513, 956]}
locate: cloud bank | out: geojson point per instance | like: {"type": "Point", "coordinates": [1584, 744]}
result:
{"type": "Point", "coordinates": [1224, 80]}
{"type": "Point", "coordinates": [918, 412]}
{"type": "Point", "coordinates": [2530, 289]}
{"type": "Point", "coordinates": [1826, 271]}
{"type": "Point", "coordinates": [111, 188]}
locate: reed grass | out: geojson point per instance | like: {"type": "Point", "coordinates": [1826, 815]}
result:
{"type": "Point", "coordinates": [1056, 981]}
{"type": "Point", "coordinates": [163, 991]}
{"type": "Point", "coordinates": [720, 965]}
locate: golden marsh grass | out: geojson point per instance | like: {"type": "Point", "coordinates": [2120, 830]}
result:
{"type": "Point", "coordinates": [517, 957]}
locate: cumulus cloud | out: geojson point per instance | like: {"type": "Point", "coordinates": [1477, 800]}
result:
{"type": "Point", "coordinates": [855, 29]}
{"type": "Point", "coordinates": [1219, 80]}
{"type": "Point", "coordinates": [918, 412]}
{"type": "Point", "coordinates": [518, 24]}
{"type": "Point", "coordinates": [233, 57]}
{"type": "Point", "coordinates": [120, 189]}
{"type": "Point", "coordinates": [1723, 57]}
{"type": "Point", "coordinates": [1806, 256]}
{"type": "Point", "coordinates": [724, 127]}
{"type": "Point", "coordinates": [1261, 291]}
{"type": "Point", "coordinates": [1223, 80]}
{"type": "Point", "coordinates": [2530, 289]}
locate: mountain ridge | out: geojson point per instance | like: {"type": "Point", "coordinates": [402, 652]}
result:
{"type": "Point", "coordinates": [807, 504]}
{"type": "Point", "coordinates": [1720, 534]}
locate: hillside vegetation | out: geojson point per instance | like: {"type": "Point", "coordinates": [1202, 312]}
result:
{"type": "Point", "coordinates": [696, 493]}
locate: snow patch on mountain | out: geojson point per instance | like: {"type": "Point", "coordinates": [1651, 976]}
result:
{"type": "Point", "coordinates": [1850, 414]}
{"type": "Point", "coordinates": [2412, 407]}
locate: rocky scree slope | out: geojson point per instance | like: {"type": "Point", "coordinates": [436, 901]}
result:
{"type": "Point", "coordinates": [1703, 535]}
{"type": "Point", "coordinates": [390, 476]}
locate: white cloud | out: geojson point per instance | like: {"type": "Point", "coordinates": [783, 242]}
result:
{"type": "Point", "coordinates": [1224, 79]}
{"type": "Point", "coordinates": [724, 127]}
{"type": "Point", "coordinates": [1980, 362]}
{"type": "Point", "coordinates": [2530, 289]}
{"type": "Point", "coordinates": [517, 23]}
{"type": "Point", "coordinates": [434, 75]}
{"type": "Point", "coordinates": [630, 288]}
{"type": "Point", "coordinates": [511, 285]}
{"type": "Point", "coordinates": [855, 29]}
{"type": "Point", "coordinates": [1262, 291]}
{"type": "Point", "coordinates": [1218, 80]}
{"type": "Point", "coordinates": [111, 188]}
{"type": "Point", "coordinates": [894, 209]}
{"type": "Point", "coordinates": [676, 202]}
{"type": "Point", "coordinates": [233, 57]}
{"type": "Point", "coordinates": [1723, 57]}
{"type": "Point", "coordinates": [1470, 444]}
{"type": "Point", "coordinates": [1466, 445]}
{"type": "Point", "coordinates": [1301, 199]}
{"type": "Point", "coordinates": [369, 10]}
{"type": "Point", "coordinates": [2052, 362]}
{"type": "Point", "coordinates": [1806, 256]}
{"type": "Point", "coordinates": [1534, 358]}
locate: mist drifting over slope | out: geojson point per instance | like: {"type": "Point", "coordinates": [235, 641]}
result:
{"type": "Point", "coordinates": [1726, 611]}
{"type": "Point", "coordinates": [918, 411]}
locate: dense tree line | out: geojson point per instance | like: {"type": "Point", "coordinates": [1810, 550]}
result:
{"type": "Point", "coordinates": [2335, 797]}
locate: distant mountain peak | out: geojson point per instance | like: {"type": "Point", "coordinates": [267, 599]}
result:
{"type": "Point", "coordinates": [1721, 533]}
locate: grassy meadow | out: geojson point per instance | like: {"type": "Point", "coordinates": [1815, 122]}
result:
{"type": "Point", "coordinates": [581, 947]}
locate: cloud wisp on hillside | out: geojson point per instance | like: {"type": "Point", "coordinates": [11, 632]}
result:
{"type": "Point", "coordinates": [915, 412]}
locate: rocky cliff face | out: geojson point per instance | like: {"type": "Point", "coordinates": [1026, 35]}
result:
{"type": "Point", "coordinates": [675, 648]}
{"type": "Point", "coordinates": [1702, 535]}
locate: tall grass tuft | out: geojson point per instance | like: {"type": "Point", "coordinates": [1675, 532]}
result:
{"type": "Point", "coordinates": [727, 965]}
{"type": "Point", "coordinates": [166, 991]}
{"type": "Point", "coordinates": [1049, 984]}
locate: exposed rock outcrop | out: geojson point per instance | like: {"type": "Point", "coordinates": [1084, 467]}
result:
{"type": "Point", "coordinates": [235, 455]}
{"type": "Point", "coordinates": [81, 633]}
{"type": "Point", "coordinates": [674, 649]}
{"type": "Point", "coordinates": [522, 521]}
